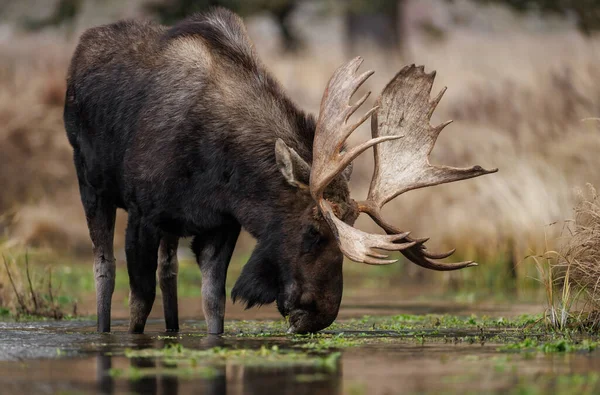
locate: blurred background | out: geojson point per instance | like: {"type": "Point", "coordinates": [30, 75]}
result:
{"type": "Point", "coordinates": [522, 78]}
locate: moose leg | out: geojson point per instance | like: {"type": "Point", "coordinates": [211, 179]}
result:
{"type": "Point", "coordinates": [167, 278]}
{"type": "Point", "coordinates": [213, 251]}
{"type": "Point", "coordinates": [100, 214]}
{"type": "Point", "coordinates": [141, 247]}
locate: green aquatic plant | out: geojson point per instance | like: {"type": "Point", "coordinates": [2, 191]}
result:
{"type": "Point", "coordinates": [433, 324]}
{"type": "Point", "coordinates": [137, 373]}
{"type": "Point", "coordinates": [256, 328]}
{"type": "Point", "coordinates": [265, 356]}
{"type": "Point", "coordinates": [326, 342]}
{"type": "Point", "coordinates": [556, 346]}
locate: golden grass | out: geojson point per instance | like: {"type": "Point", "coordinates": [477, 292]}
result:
{"type": "Point", "coordinates": [34, 154]}
{"type": "Point", "coordinates": [518, 100]}
{"type": "Point", "coordinates": [570, 275]}
{"type": "Point", "coordinates": [581, 249]}
{"type": "Point", "coordinates": [37, 178]}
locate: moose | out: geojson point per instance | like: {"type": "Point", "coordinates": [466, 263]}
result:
{"type": "Point", "coordinates": [187, 131]}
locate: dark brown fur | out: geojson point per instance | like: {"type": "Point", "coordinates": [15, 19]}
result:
{"type": "Point", "coordinates": [178, 127]}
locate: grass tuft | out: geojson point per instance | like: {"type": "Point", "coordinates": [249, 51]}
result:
{"type": "Point", "coordinates": [29, 292]}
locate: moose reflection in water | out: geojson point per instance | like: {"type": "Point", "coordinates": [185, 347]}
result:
{"type": "Point", "coordinates": [156, 376]}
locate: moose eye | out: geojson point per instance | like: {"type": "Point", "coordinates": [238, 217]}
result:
{"type": "Point", "coordinates": [313, 231]}
{"type": "Point", "coordinates": [311, 239]}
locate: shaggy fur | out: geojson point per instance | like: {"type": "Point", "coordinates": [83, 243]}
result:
{"type": "Point", "coordinates": [178, 127]}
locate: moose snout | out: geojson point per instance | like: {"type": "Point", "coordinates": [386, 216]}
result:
{"type": "Point", "coordinates": [303, 321]}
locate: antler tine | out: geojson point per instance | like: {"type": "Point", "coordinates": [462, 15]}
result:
{"type": "Point", "coordinates": [441, 255]}
{"type": "Point", "coordinates": [332, 128]}
{"type": "Point", "coordinates": [420, 259]}
{"type": "Point", "coordinates": [405, 109]}
{"type": "Point", "coordinates": [417, 252]}
{"type": "Point", "coordinates": [429, 254]}
{"type": "Point", "coordinates": [360, 246]}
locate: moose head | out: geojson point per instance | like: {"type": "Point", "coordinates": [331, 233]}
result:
{"type": "Point", "coordinates": [300, 265]}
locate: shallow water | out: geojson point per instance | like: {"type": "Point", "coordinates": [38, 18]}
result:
{"type": "Point", "coordinates": [69, 357]}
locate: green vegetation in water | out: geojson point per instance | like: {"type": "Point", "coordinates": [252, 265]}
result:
{"type": "Point", "coordinates": [256, 328]}
{"type": "Point", "coordinates": [525, 332]}
{"type": "Point", "coordinates": [556, 346]}
{"type": "Point", "coordinates": [408, 323]}
{"type": "Point", "coordinates": [178, 358]}
{"type": "Point", "coordinates": [396, 325]}
{"type": "Point", "coordinates": [322, 342]}
{"type": "Point", "coordinates": [135, 373]}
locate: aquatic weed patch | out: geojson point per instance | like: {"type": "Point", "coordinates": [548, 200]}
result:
{"type": "Point", "coordinates": [137, 373]}
{"type": "Point", "coordinates": [185, 361]}
{"type": "Point", "coordinates": [323, 342]}
{"type": "Point", "coordinates": [431, 327]}
{"type": "Point", "coordinates": [435, 325]}
{"type": "Point", "coordinates": [553, 346]}
{"type": "Point", "coordinates": [250, 328]}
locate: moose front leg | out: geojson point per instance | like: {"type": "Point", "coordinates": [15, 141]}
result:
{"type": "Point", "coordinates": [213, 252]}
{"type": "Point", "coordinates": [141, 247]}
{"type": "Point", "coordinates": [168, 267]}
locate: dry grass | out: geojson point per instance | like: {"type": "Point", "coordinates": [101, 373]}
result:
{"type": "Point", "coordinates": [518, 100]}
{"type": "Point", "coordinates": [554, 274]}
{"type": "Point", "coordinates": [570, 275]}
{"type": "Point", "coordinates": [36, 171]}
{"type": "Point", "coordinates": [29, 291]}
{"type": "Point", "coordinates": [581, 250]}
{"type": "Point", "coordinates": [530, 128]}
{"type": "Point", "coordinates": [34, 156]}
{"type": "Point", "coordinates": [517, 97]}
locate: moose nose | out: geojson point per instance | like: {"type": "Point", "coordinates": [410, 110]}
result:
{"type": "Point", "coordinates": [298, 321]}
{"type": "Point", "coordinates": [302, 321]}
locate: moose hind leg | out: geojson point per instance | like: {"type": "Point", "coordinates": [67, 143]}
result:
{"type": "Point", "coordinates": [213, 251]}
{"type": "Point", "coordinates": [168, 267]}
{"type": "Point", "coordinates": [100, 214]}
{"type": "Point", "coordinates": [141, 248]}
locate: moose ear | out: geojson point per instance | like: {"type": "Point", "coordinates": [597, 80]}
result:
{"type": "Point", "coordinates": [295, 169]}
{"type": "Point", "coordinates": [259, 282]}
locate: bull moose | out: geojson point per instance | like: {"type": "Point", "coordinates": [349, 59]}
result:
{"type": "Point", "coordinates": [185, 129]}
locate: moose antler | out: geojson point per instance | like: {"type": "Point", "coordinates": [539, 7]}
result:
{"type": "Point", "coordinates": [332, 128]}
{"type": "Point", "coordinates": [328, 161]}
{"type": "Point", "coordinates": [405, 109]}
{"type": "Point", "coordinates": [401, 116]}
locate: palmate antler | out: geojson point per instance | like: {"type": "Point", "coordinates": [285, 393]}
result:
{"type": "Point", "coordinates": [405, 109]}
{"type": "Point", "coordinates": [400, 117]}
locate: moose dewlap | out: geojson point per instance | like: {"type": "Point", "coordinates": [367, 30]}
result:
{"type": "Point", "coordinates": [185, 129]}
